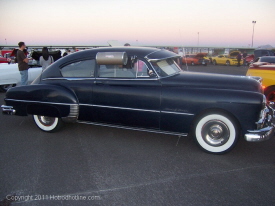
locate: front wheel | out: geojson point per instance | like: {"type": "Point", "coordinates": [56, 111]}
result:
{"type": "Point", "coordinates": [192, 64]}
{"type": "Point", "coordinates": [214, 62]}
{"type": "Point", "coordinates": [216, 133]}
{"type": "Point", "coordinates": [48, 124]}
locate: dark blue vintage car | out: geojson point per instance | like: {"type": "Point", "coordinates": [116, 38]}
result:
{"type": "Point", "coordinates": [144, 89]}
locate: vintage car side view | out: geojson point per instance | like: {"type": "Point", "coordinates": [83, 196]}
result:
{"type": "Point", "coordinates": [196, 59]}
{"type": "Point", "coordinates": [265, 70]}
{"type": "Point", "coordinates": [144, 89]}
{"type": "Point", "coordinates": [226, 59]}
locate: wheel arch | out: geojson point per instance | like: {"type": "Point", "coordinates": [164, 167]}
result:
{"type": "Point", "coordinates": [215, 110]}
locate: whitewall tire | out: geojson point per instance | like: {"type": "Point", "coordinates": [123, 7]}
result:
{"type": "Point", "coordinates": [216, 133]}
{"type": "Point", "coordinates": [47, 124]}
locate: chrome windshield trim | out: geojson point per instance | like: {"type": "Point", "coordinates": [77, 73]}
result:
{"type": "Point", "coordinates": [18, 100]}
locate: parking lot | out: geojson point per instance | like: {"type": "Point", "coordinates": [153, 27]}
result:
{"type": "Point", "coordinates": [112, 166]}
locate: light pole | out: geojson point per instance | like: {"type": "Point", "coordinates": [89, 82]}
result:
{"type": "Point", "coordinates": [198, 38]}
{"type": "Point", "coordinates": [253, 22]}
{"type": "Point", "coordinates": [6, 41]}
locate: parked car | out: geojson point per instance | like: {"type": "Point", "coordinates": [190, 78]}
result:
{"type": "Point", "coordinates": [10, 75]}
{"type": "Point", "coordinates": [196, 59]}
{"type": "Point", "coordinates": [262, 52]}
{"type": "Point", "coordinates": [266, 59]}
{"type": "Point", "coordinates": [249, 59]}
{"type": "Point", "coordinates": [257, 54]}
{"type": "Point", "coordinates": [3, 60]}
{"type": "Point", "coordinates": [265, 70]}
{"type": "Point", "coordinates": [226, 59]}
{"type": "Point", "coordinates": [144, 89]}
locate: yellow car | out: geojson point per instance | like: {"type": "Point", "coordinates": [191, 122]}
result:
{"type": "Point", "coordinates": [227, 59]}
{"type": "Point", "coordinates": [267, 72]}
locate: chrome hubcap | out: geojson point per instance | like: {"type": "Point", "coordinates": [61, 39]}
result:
{"type": "Point", "coordinates": [215, 133]}
{"type": "Point", "coordinates": [46, 121]}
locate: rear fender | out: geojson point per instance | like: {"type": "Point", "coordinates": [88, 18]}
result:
{"type": "Point", "coordinates": [43, 99]}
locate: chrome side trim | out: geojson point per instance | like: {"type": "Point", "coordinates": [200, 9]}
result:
{"type": "Point", "coordinates": [17, 100]}
{"type": "Point", "coordinates": [134, 109]}
{"type": "Point", "coordinates": [176, 113]}
{"type": "Point", "coordinates": [124, 108]}
{"type": "Point", "coordinates": [133, 128]}
{"type": "Point", "coordinates": [135, 79]}
{"type": "Point", "coordinates": [69, 78]}
{"type": "Point", "coordinates": [73, 115]}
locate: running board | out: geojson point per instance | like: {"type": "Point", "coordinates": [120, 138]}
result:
{"type": "Point", "coordinates": [133, 128]}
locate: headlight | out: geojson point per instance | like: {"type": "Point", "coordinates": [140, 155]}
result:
{"type": "Point", "coordinates": [264, 102]}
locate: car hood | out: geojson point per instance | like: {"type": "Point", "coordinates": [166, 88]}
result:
{"type": "Point", "coordinates": [215, 81]}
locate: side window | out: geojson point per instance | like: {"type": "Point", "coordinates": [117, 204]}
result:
{"type": "Point", "coordinates": [136, 70]}
{"type": "Point", "coordinates": [141, 69]}
{"type": "Point", "coordinates": [83, 68]}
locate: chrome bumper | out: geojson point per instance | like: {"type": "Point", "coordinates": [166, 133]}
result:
{"type": "Point", "coordinates": [8, 110]}
{"type": "Point", "coordinates": [265, 127]}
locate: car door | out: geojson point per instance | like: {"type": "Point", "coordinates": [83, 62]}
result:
{"type": "Point", "coordinates": [127, 96]}
{"type": "Point", "coordinates": [220, 59]}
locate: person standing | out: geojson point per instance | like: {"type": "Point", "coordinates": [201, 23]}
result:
{"type": "Point", "coordinates": [244, 56]}
{"type": "Point", "coordinates": [180, 58]}
{"type": "Point", "coordinates": [239, 58]}
{"type": "Point", "coordinates": [22, 61]}
{"type": "Point", "coordinates": [45, 60]}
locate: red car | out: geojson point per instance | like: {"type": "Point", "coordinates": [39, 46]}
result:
{"type": "Point", "coordinates": [195, 59]}
{"type": "Point", "coordinates": [5, 56]}
{"type": "Point", "coordinates": [3, 60]}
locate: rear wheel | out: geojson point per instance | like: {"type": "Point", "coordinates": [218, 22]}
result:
{"type": "Point", "coordinates": [216, 133]}
{"type": "Point", "coordinates": [192, 63]}
{"type": "Point", "coordinates": [48, 124]}
{"type": "Point", "coordinates": [214, 62]}
{"type": "Point", "coordinates": [227, 63]}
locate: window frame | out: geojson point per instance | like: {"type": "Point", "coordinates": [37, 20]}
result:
{"type": "Point", "coordinates": [125, 78]}
{"type": "Point", "coordinates": [75, 61]}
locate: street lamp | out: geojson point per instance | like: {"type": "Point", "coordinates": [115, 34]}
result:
{"type": "Point", "coordinates": [198, 38]}
{"type": "Point", "coordinates": [253, 22]}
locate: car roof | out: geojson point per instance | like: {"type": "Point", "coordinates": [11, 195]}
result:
{"type": "Point", "coordinates": [144, 52]}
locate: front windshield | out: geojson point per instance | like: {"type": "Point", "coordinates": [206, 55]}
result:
{"type": "Point", "coordinates": [166, 67]}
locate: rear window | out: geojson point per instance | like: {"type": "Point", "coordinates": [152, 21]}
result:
{"type": "Point", "coordinates": [83, 68]}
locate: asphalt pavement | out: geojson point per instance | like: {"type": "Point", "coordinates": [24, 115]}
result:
{"type": "Point", "coordinates": [112, 166]}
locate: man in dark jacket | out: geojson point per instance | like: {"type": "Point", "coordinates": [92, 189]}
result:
{"type": "Point", "coordinates": [239, 58]}
{"type": "Point", "coordinates": [22, 61]}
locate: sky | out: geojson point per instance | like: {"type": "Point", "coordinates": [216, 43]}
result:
{"type": "Point", "coordinates": [143, 22]}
